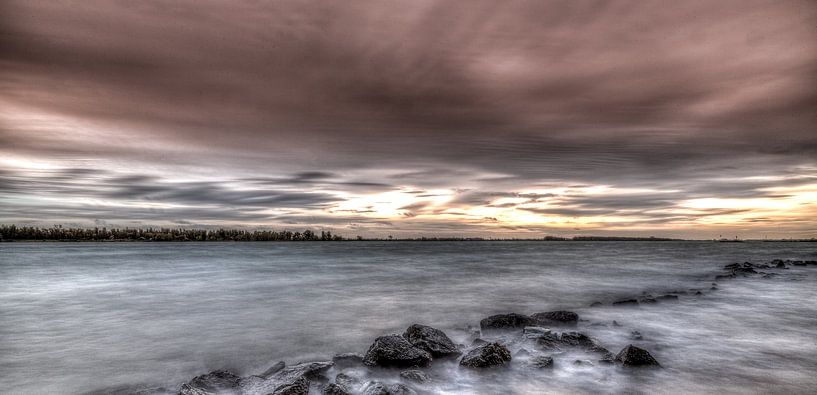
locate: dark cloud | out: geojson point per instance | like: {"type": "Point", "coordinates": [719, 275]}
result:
{"type": "Point", "coordinates": [295, 101]}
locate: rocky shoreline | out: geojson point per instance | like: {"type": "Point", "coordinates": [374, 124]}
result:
{"type": "Point", "coordinates": [402, 361]}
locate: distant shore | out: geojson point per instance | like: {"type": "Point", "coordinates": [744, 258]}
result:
{"type": "Point", "coordinates": [13, 233]}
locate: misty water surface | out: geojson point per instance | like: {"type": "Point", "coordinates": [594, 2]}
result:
{"type": "Point", "coordinates": [77, 317]}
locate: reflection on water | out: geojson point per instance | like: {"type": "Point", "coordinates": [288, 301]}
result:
{"type": "Point", "coordinates": [80, 317]}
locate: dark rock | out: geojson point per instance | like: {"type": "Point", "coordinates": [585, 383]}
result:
{"type": "Point", "coordinates": [699, 293]}
{"type": "Point", "coordinates": [596, 304]}
{"type": "Point", "coordinates": [491, 354]}
{"type": "Point", "coordinates": [541, 362]}
{"type": "Point", "coordinates": [797, 263]}
{"type": "Point", "coordinates": [395, 351]}
{"type": "Point", "coordinates": [598, 324]}
{"type": "Point", "coordinates": [548, 343]}
{"type": "Point", "coordinates": [732, 266]}
{"type": "Point", "coordinates": [667, 298]}
{"type": "Point", "coordinates": [289, 380]}
{"type": "Point", "coordinates": [606, 357]}
{"type": "Point", "coordinates": [279, 366]}
{"type": "Point", "coordinates": [634, 356]}
{"type": "Point", "coordinates": [417, 376]}
{"type": "Point", "coordinates": [779, 264]}
{"type": "Point", "coordinates": [430, 339]}
{"type": "Point", "coordinates": [579, 362]}
{"type": "Point", "coordinates": [576, 339]}
{"type": "Point", "coordinates": [636, 335]}
{"type": "Point", "coordinates": [211, 383]}
{"type": "Point", "coordinates": [506, 321]}
{"type": "Point", "coordinates": [535, 332]}
{"type": "Point", "coordinates": [559, 317]}
{"type": "Point", "coordinates": [615, 323]}
{"type": "Point", "coordinates": [625, 302]}
{"type": "Point", "coordinates": [349, 358]}
{"type": "Point", "coordinates": [347, 381]}
{"type": "Point", "coordinates": [649, 300]}
{"type": "Point", "coordinates": [724, 276]}
{"type": "Point", "coordinates": [335, 389]}
{"type": "Point", "coordinates": [713, 289]}
{"type": "Point", "coordinates": [401, 389]}
{"type": "Point", "coordinates": [375, 388]}
{"type": "Point", "coordinates": [478, 342]}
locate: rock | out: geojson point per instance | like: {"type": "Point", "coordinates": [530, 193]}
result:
{"type": "Point", "coordinates": [576, 339]}
{"type": "Point", "coordinates": [596, 304]}
{"type": "Point", "coordinates": [349, 358]}
{"type": "Point", "coordinates": [798, 263]}
{"type": "Point", "coordinates": [615, 323]}
{"type": "Point", "coordinates": [375, 388]}
{"type": "Point", "coordinates": [579, 362]}
{"type": "Point", "coordinates": [559, 317]}
{"type": "Point", "coordinates": [666, 298]}
{"type": "Point", "coordinates": [548, 343]}
{"type": "Point", "coordinates": [698, 293]}
{"type": "Point", "coordinates": [395, 351]}
{"type": "Point", "coordinates": [779, 264]}
{"type": "Point", "coordinates": [506, 321]}
{"type": "Point", "coordinates": [347, 381]}
{"type": "Point", "coordinates": [636, 335]}
{"type": "Point", "coordinates": [211, 383]}
{"type": "Point", "coordinates": [626, 302]}
{"type": "Point", "coordinates": [491, 354]}
{"type": "Point", "coordinates": [522, 353]}
{"type": "Point", "coordinates": [649, 300]}
{"type": "Point", "coordinates": [430, 339]}
{"type": "Point", "coordinates": [274, 369]}
{"type": "Point", "coordinates": [732, 266]}
{"type": "Point", "coordinates": [478, 342]}
{"type": "Point", "coordinates": [606, 356]}
{"type": "Point", "coordinates": [534, 332]}
{"type": "Point", "coordinates": [401, 389]}
{"type": "Point", "coordinates": [289, 380]}
{"type": "Point", "coordinates": [541, 362]}
{"type": "Point", "coordinates": [634, 356]}
{"type": "Point", "coordinates": [335, 389]}
{"type": "Point", "coordinates": [417, 376]}
{"type": "Point", "coordinates": [724, 276]}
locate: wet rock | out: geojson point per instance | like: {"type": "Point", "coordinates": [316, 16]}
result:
{"type": "Point", "coordinates": [626, 302]}
{"type": "Point", "coordinates": [576, 339]}
{"type": "Point", "coordinates": [335, 389]}
{"type": "Point", "coordinates": [521, 353]}
{"type": "Point", "coordinates": [649, 300]}
{"type": "Point", "coordinates": [596, 304]}
{"type": "Point", "coordinates": [349, 358]}
{"type": "Point", "coordinates": [491, 354]}
{"type": "Point", "coordinates": [347, 381]}
{"type": "Point", "coordinates": [634, 356]}
{"type": "Point", "coordinates": [580, 362]}
{"type": "Point", "coordinates": [417, 376]}
{"type": "Point", "coordinates": [430, 339]}
{"type": "Point", "coordinates": [211, 383]}
{"type": "Point", "coordinates": [534, 332]}
{"type": "Point", "coordinates": [779, 264]}
{"type": "Point", "coordinates": [615, 323]}
{"type": "Point", "coordinates": [478, 342]}
{"type": "Point", "coordinates": [279, 366]}
{"type": "Point", "coordinates": [636, 335]}
{"type": "Point", "coordinates": [599, 324]}
{"type": "Point", "coordinates": [548, 343]}
{"type": "Point", "coordinates": [375, 388]}
{"type": "Point", "coordinates": [395, 351]}
{"type": "Point", "coordinates": [541, 362]}
{"type": "Point", "coordinates": [667, 298]}
{"type": "Point", "coordinates": [400, 389]}
{"type": "Point", "coordinates": [506, 321]}
{"type": "Point", "coordinates": [289, 380]}
{"type": "Point", "coordinates": [732, 266]}
{"type": "Point", "coordinates": [713, 289]}
{"type": "Point", "coordinates": [559, 317]}
{"type": "Point", "coordinates": [724, 276]}
{"type": "Point", "coordinates": [699, 293]}
{"type": "Point", "coordinates": [797, 263]}
{"type": "Point", "coordinates": [606, 357]}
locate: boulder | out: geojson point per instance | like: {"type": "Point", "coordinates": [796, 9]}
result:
{"type": "Point", "coordinates": [335, 389]}
{"type": "Point", "coordinates": [395, 351]}
{"type": "Point", "coordinates": [634, 356]}
{"type": "Point", "coordinates": [559, 317]}
{"type": "Point", "coordinates": [431, 340]}
{"type": "Point", "coordinates": [491, 354]}
{"type": "Point", "coordinates": [576, 339]}
{"type": "Point", "coordinates": [289, 380]}
{"type": "Point", "coordinates": [211, 383]}
{"type": "Point", "coordinates": [506, 321]}
{"type": "Point", "coordinates": [417, 376]}
{"type": "Point", "coordinates": [541, 362]}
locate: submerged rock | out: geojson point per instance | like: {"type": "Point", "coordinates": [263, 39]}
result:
{"type": "Point", "coordinates": [279, 366]}
{"type": "Point", "coordinates": [667, 298]}
{"type": "Point", "coordinates": [634, 356]}
{"type": "Point", "coordinates": [556, 317]}
{"type": "Point", "coordinates": [289, 380]}
{"type": "Point", "coordinates": [534, 332]}
{"type": "Point", "coordinates": [211, 383]}
{"type": "Point", "coordinates": [349, 358]}
{"type": "Point", "coordinates": [491, 354]}
{"type": "Point", "coordinates": [576, 339]}
{"type": "Point", "coordinates": [400, 389]}
{"type": "Point", "coordinates": [395, 351]}
{"type": "Point", "coordinates": [417, 376]}
{"type": "Point", "coordinates": [506, 321]}
{"type": "Point", "coordinates": [541, 362]}
{"type": "Point", "coordinates": [596, 304]}
{"type": "Point", "coordinates": [636, 335]}
{"type": "Point", "coordinates": [626, 302]}
{"type": "Point", "coordinates": [430, 339]}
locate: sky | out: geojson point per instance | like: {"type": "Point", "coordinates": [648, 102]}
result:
{"type": "Point", "coordinates": [690, 119]}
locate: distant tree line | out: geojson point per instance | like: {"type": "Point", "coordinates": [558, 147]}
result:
{"type": "Point", "coordinates": [58, 233]}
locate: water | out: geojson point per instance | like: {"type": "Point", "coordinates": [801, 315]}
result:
{"type": "Point", "coordinates": [78, 317]}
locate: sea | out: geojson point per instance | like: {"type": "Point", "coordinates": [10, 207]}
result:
{"type": "Point", "coordinates": [115, 317]}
